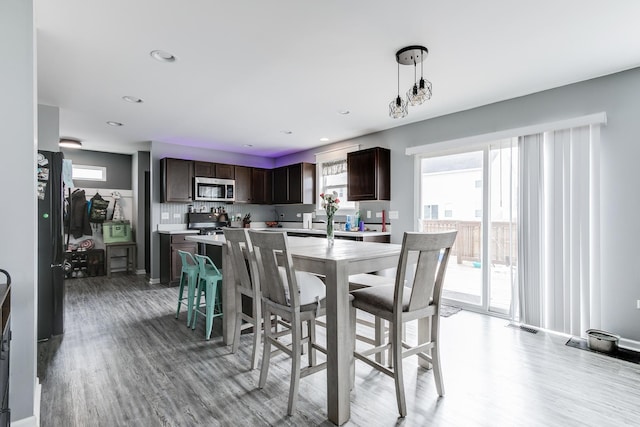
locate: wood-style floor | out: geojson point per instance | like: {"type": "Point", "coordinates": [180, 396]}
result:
{"type": "Point", "coordinates": [124, 360]}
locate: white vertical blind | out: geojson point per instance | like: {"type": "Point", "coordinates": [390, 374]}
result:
{"type": "Point", "coordinates": [559, 201]}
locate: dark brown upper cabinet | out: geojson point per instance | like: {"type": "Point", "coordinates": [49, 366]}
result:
{"type": "Point", "coordinates": [204, 169]}
{"type": "Point", "coordinates": [294, 184]}
{"type": "Point", "coordinates": [176, 180]}
{"type": "Point", "coordinates": [225, 171]}
{"type": "Point", "coordinates": [369, 174]}
{"type": "Point", "coordinates": [213, 170]}
{"type": "Point", "coordinates": [260, 186]}
{"type": "Point", "coordinates": [243, 184]}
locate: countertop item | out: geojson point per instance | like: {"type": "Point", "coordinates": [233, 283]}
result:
{"type": "Point", "coordinates": [208, 239]}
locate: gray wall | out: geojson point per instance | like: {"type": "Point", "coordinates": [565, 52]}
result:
{"type": "Point", "coordinates": [617, 95]}
{"type": "Point", "coordinates": [119, 168]}
{"type": "Point", "coordinates": [48, 128]}
{"type": "Point", "coordinates": [17, 168]}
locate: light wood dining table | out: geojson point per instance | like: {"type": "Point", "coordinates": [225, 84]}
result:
{"type": "Point", "coordinates": [336, 263]}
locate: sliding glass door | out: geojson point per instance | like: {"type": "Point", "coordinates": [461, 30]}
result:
{"type": "Point", "coordinates": [475, 192]}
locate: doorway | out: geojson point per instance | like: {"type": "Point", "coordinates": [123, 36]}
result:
{"type": "Point", "coordinates": [475, 192]}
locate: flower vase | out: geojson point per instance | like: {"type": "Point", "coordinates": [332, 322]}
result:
{"type": "Point", "coordinates": [330, 235]}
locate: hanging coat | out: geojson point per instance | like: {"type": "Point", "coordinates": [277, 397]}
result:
{"type": "Point", "coordinates": [79, 216]}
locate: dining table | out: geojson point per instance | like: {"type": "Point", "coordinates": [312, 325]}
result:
{"type": "Point", "coordinates": [336, 262]}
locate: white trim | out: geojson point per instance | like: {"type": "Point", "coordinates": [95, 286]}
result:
{"type": "Point", "coordinates": [31, 421]}
{"type": "Point", "coordinates": [349, 148]}
{"type": "Point", "coordinates": [153, 281]}
{"type": "Point", "coordinates": [629, 344]}
{"type": "Point", "coordinates": [466, 142]}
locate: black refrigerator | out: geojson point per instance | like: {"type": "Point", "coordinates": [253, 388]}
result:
{"type": "Point", "coordinates": [51, 293]}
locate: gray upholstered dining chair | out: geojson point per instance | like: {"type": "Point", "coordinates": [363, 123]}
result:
{"type": "Point", "coordinates": [246, 284]}
{"type": "Point", "coordinates": [399, 303]}
{"type": "Point", "coordinates": [296, 297]}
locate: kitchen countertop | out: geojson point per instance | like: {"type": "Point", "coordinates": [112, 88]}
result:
{"type": "Point", "coordinates": [323, 232]}
{"type": "Point", "coordinates": [178, 231]}
{"type": "Point", "coordinates": [218, 239]}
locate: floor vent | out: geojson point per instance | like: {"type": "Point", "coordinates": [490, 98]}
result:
{"type": "Point", "coordinates": [523, 328]}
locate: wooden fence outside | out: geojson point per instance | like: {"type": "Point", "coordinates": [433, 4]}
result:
{"type": "Point", "coordinates": [468, 243]}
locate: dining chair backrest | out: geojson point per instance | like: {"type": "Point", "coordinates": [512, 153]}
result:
{"type": "Point", "coordinates": [428, 253]}
{"type": "Point", "coordinates": [206, 266]}
{"type": "Point", "coordinates": [240, 251]}
{"type": "Point", "coordinates": [187, 259]}
{"type": "Point", "coordinates": [271, 252]}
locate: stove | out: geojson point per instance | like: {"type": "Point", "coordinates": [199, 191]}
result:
{"type": "Point", "coordinates": [207, 223]}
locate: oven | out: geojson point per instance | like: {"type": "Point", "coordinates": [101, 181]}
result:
{"type": "Point", "coordinates": [213, 189]}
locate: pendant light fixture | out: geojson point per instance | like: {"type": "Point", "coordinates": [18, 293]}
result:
{"type": "Point", "coordinates": [398, 106]}
{"type": "Point", "coordinates": [420, 91]}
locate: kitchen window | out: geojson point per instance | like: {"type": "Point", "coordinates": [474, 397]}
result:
{"type": "Point", "coordinates": [331, 175]}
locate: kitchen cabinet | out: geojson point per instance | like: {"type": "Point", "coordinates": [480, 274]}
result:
{"type": "Point", "coordinates": [253, 185]}
{"type": "Point", "coordinates": [243, 184]}
{"type": "Point", "coordinates": [369, 174]}
{"type": "Point", "coordinates": [294, 184]}
{"type": "Point", "coordinates": [225, 171]}
{"type": "Point", "coordinates": [170, 262]}
{"type": "Point", "coordinates": [176, 180]}
{"type": "Point", "coordinates": [204, 169]}
{"type": "Point", "coordinates": [213, 170]}
{"type": "Point", "coordinates": [260, 186]}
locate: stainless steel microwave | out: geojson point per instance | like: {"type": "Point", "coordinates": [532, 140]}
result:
{"type": "Point", "coordinates": [214, 189]}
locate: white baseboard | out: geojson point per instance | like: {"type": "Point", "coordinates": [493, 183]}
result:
{"type": "Point", "coordinates": [629, 344]}
{"type": "Point", "coordinates": [26, 422]}
{"type": "Point", "coordinates": [154, 281]}
{"type": "Point", "coordinates": [141, 271]}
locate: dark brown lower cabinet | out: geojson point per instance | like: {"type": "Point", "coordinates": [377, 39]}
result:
{"type": "Point", "coordinates": [170, 262]}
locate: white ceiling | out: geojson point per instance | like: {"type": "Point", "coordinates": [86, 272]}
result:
{"type": "Point", "coordinates": [248, 70]}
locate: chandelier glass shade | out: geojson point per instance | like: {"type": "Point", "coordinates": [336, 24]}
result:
{"type": "Point", "coordinates": [420, 91]}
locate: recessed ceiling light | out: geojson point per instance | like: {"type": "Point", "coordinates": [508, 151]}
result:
{"type": "Point", "coordinates": [70, 143]}
{"type": "Point", "coordinates": [343, 112]}
{"type": "Point", "coordinates": [286, 132]}
{"type": "Point", "coordinates": [324, 139]}
{"type": "Point", "coordinates": [132, 99]}
{"type": "Point", "coordinates": [247, 145]}
{"type": "Point", "coordinates": [162, 56]}
{"type": "Point", "coordinates": [110, 123]}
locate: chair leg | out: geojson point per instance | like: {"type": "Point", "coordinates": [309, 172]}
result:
{"type": "Point", "coordinates": [352, 365]}
{"type": "Point", "coordinates": [257, 332]}
{"type": "Point", "coordinates": [296, 337]}
{"type": "Point", "coordinates": [191, 294]}
{"type": "Point", "coordinates": [210, 298]}
{"type": "Point", "coordinates": [311, 333]}
{"type": "Point", "coordinates": [379, 338]}
{"type": "Point", "coordinates": [266, 350]}
{"type": "Point", "coordinates": [197, 305]}
{"type": "Point", "coordinates": [180, 293]}
{"type": "Point", "coordinates": [396, 345]}
{"type": "Point", "coordinates": [236, 334]}
{"type": "Point", "coordinates": [435, 354]}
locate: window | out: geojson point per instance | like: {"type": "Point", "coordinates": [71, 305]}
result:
{"type": "Point", "coordinates": [89, 173]}
{"type": "Point", "coordinates": [331, 175]}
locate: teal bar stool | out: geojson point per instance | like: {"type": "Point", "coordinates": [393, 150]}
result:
{"type": "Point", "coordinates": [189, 277]}
{"type": "Point", "coordinates": [209, 277]}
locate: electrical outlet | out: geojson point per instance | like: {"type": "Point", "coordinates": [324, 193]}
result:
{"type": "Point", "coordinates": [368, 214]}
{"type": "Point", "coordinates": [281, 216]}
{"type": "Point", "coordinates": [378, 214]}
{"type": "Point", "coordinates": [638, 304]}
{"type": "Point", "coordinates": [164, 215]}
{"type": "Point", "coordinates": [176, 216]}
{"type": "Point", "coordinates": [393, 214]}
{"type": "Point", "coordinates": [298, 215]}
